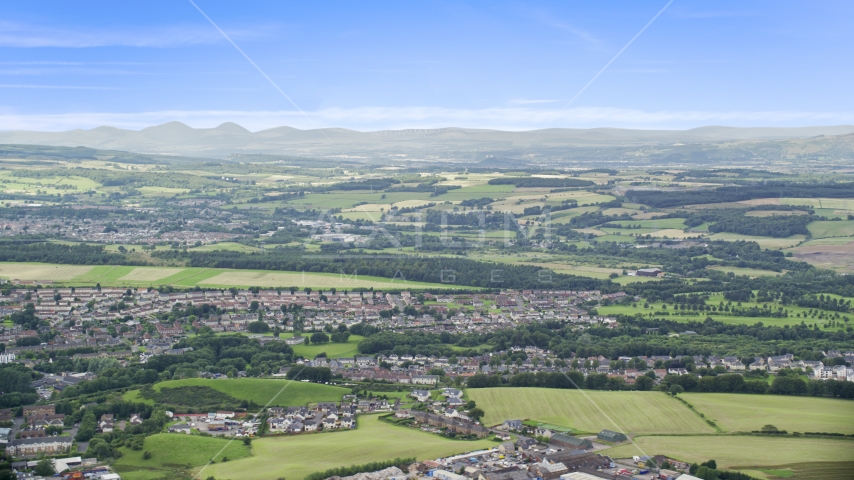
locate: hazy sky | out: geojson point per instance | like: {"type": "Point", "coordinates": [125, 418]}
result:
{"type": "Point", "coordinates": [376, 65]}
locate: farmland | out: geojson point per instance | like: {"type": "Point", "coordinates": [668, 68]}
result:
{"type": "Point", "coordinates": [174, 455]}
{"type": "Point", "coordinates": [261, 391]}
{"type": "Point", "coordinates": [740, 452]}
{"type": "Point", "coordinates": [128, 276]}
{"type": "Point", "coordinates": [332, 350]}
{"type": "Point", "coordinates": [591, 411]}
{"type": "Point", "coordinates": [744, 413]}
{"type": "Point", "coordinates": [373, 440]}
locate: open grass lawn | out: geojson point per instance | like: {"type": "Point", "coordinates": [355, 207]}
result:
{"type": "Point", "coordinates": [297, 456]}
{"type": "Point", "coordinates": [333, 350]}
{"type": "Point", "coordinates": [740, 452]}
{"type": "Point", "coordinates": [744, 413]}
{"type": "Point", "coordinates": [591, 411]}
{"type": "Point", "coordinates": [173, 455]}
{"type": "Point", "coordinates": [842, 228]}
{"type": "Point", "coordinates": [262, 390]}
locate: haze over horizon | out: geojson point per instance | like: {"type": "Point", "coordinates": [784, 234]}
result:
{"type": "Point", "coordinates": [469, 65]}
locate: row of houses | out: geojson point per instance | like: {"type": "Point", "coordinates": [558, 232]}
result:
{"type": "Point", "coordinates": [450, 424]}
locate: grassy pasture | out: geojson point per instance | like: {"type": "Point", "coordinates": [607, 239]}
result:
{"type": "Point", "coordinates": [826, 228]}
{"type": "Point", "coordinates": [744, 413]}
{"type": "Point", "coordinates": [373, 440]}
{"type": "Point", "coordinates": [333, 350]}
{"type": "Point", "coordinates": [764, 242]}
{"type": "Point", "coordinates": [262, 391]}
{"type": "Point", "coordinates": [592, 411]}
{"type": "Point", "coordinates": [173, 455]}
{"type": "Point", "coordinates": [750, 272]}
{"type": "Point", "coordinates": [739, 451]}
{"type": "Point", "coordinates": [229, 246]}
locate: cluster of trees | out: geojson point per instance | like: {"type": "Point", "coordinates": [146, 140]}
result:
{"type": "Point", "coordinates": [457, 271]}
{"type": "Point", "coordinates": [367, 184]}
{"type": "Point", "coordinates": [226, 354]}
{"type": "Point", "coordinates": [412, 343]}
{"type": "Point", "coordinates": [476, 202]}
{"type": "Point", "coordinates": [401, 463]}
{"type": "Point", "coordinates": [662, 199]}
{"type": "Point", "coordinates": [16, 385]}
{"type": "Point", "coordinates": [199, 397]}
{"type": "Point", "coordinates": [112, 178]}
{"type": "Point", "coordinates": [59, 253]}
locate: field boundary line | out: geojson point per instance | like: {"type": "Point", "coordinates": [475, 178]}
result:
{"type": "Point", "coordinates": [288, 384]}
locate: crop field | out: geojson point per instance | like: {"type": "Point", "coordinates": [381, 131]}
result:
{"type": "Point", "coordinates": [836, 203]}
{"type": "Point", "coordinates": [591, 411]}
{"type": "Point", "coordinates": [827, 228]}
{"type": "Point", "coordinates": [373, 440]}
{"type": "Point", "coordinates": [750, 272]}
{"type": "Point", "coordinates": [732, 452]}
{"type": "Point", "coordinates": [279, 279]}
{"type": "Point", "coordinates": [173, 455]}
{"type": "Point", "coordinates": [262, 391]}
{"type": "Point", "coordinates": [41, 271]}
{"type": "Point", "coordinates": [128, 276]}
{"type": "Point", "coordinates": [744, 413]}
{"type": "Point", "coordinates": [149, 274]}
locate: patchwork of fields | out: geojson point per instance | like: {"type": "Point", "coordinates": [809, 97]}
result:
{"type": "Point", "coordinates": [373, 440]}
{"type": "Point", "coordinates": [128, 276]}
{"type": "Point", "coordinates": [590, 411]}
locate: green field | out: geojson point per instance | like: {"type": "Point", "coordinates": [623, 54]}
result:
{"type": "Point", "coordinates": [744, 413]}
{"type": "Point", "coordinates": [764, 242]}
{"type": "Point", "coordinates": [591, 411]}
{"type": "Point", "coordinates": [262, 391]}
{"type": "Point", "coordinates": [715, 299]}
{"type": "Point", "coordinates": [333, 350]}
{"type": "Point", "coordinates": [740, 452]}
{"type": "Point", "coordinates": [128, 276]}
{"type": "Point", "coordinates": [173, 455]}
{"type": "Point", "coordinates": [750, 272]}
{"type": "Point", "coordinates": [296, 456]}
{"type": "Point", "coordinates": [821, 229]}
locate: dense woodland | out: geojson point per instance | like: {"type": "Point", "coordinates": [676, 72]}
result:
{"type": "Point", "coordinates": [665, 199]}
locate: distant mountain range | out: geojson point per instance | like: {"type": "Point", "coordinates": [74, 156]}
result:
{"type": "Point", "coordinates": [229, 138]}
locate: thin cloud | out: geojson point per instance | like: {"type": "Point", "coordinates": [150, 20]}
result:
{"type": "Point", "coordinates": [20, 35]}
{"type": "Point", "coordinates": [58, 87]}
{"type": "Point", "coordinates": [372, 118]}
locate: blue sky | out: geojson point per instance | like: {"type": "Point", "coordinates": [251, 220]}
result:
{"type": "Point", "coordinates": [378, 65]}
